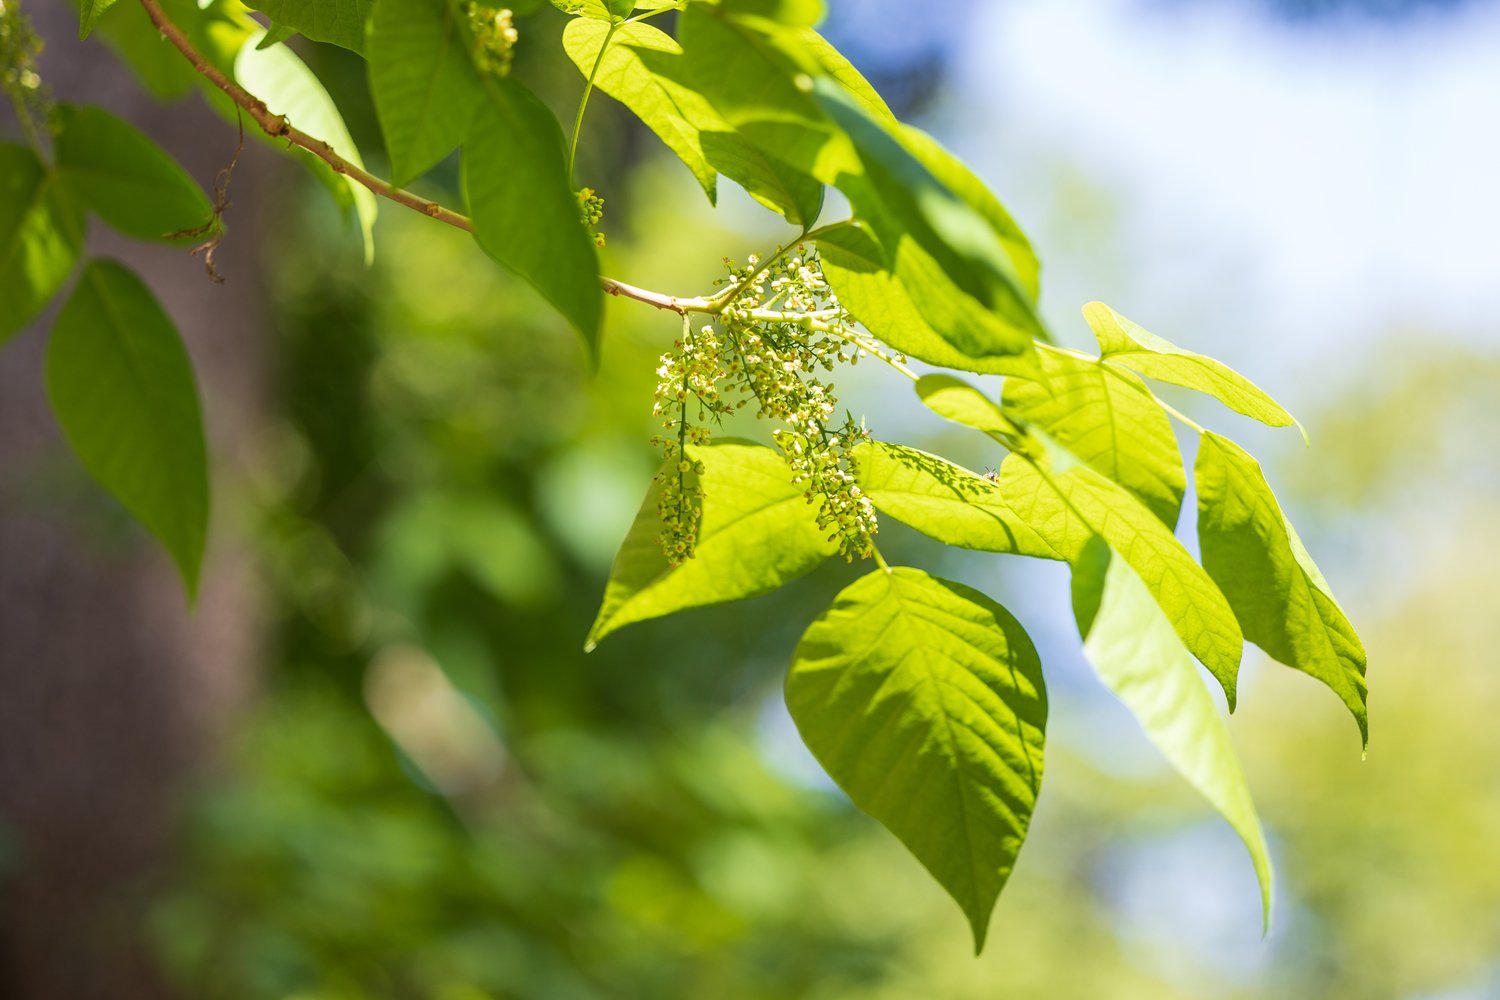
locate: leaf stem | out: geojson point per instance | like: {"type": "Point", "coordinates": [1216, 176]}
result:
{"type": "Point", "coordinates": [583, 102]}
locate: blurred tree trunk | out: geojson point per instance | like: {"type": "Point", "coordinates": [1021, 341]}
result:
{"type": "Point", "coordinates": [113, 695]}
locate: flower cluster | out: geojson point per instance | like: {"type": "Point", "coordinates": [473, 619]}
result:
{"type": "Point", "coordinates": [495, 38]}
{"type": "Point", "coordinates": [590, 211]}
{"type": "Point", "coordinates": [20, 46]}
{"type": "Point", "coordinates": [782, 326]}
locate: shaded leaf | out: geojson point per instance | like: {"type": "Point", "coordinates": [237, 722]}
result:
{"type": "Point", "coordinates": [112, 168]}
{"type": "Point", "coordinates": [1277, 592]}
{"type": "Point", "coordinates": [278, 77]}
{"type": "Point", "coordinates": [89, 12]}
{"type": "Point", "coordinates": [1107, 418]}
{"type": "Point", "coordinates": [515, 180]}
{"type": "Point", "coordinates": [757, 533]}
{"type": "Point", "coordinates": [341, 22]}
{"type": "Point", "coordinates": [924, 700]}
{"type": "Point", "coordinates": [41, 234]}
{"type": "Point", "coordinates": [1136, 652]}
{"type": "Point", "coordinates": [423, 83]}
{"type": "Point", "coordinates": [122, 388]}
{"type": "Point", "coordinates": [1124, 342]}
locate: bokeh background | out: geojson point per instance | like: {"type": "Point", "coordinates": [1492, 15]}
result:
{"type": "Point", "coordinates": [375, 762]}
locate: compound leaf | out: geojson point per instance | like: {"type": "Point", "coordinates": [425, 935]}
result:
{"type": "Point", "coordinates": [515, 179]}
{"type": "Point", "coordinates": [757, 533]}
{"type": "Point", "coordinates": [112, 168]}
{"type": "Point", "coordinates": [423, 83]}
{"type": "Point", "coordinates": [1280, 597]}
{"type": "Point", "coordinates": [1107, 418]}
{"type": "Point", "coordinates": [1139, 656]}
{"type": "Point", "coordinates": [924, 700]}
{"type": "Point", "coordinates": [122, 387]}
{"type": "Point", "coordinates": [41, 234]}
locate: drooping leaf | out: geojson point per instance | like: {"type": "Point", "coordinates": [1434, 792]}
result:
{"type": "Point", "coordinates": [122, 388]}
{"type": "Point", "coordinates": [924, 700]}
{"type": "Point", "coordinates": [40, 237]}
{"type": "Point", "coordinates": [423, 83]}
{"type": "Point", "coordinates": [757, 533]}
{"type": "Point", "coordinates": [960, 240]}
{"type": "Point", "coordinates": [275, 35]}
{"type": "Point", "coordinates": [1068, 507]}
{"type": "Point", "coordinates": [119, 174]}
{"type": "Point", "coordinates": [776, 185]}
{"type": "Point", "coordinates": [515, 180]}
{"type": "Point", "coordinates": [856, 270]}
{"type": "Point", "coordinates": [341, 22]}
{"type": "Point", "coordinates": [1123, 342]}
{"type": "Point", "coordinates": [1108, 419]}
{"type": "Point", "coordinates": [1280, 597]}
{"type": "Point", "coordinates": [956, 400]}
{"type": "Point", "coordinates": [278, 77]}
{"type": "Point", "coordinates": [624, 75]}
{"type": "Point", "coordinates": [89, 12]}
{"type": "Point", "coordinates": [945, 501]}
{"type": "Point", "coordinates": [1137, 653]}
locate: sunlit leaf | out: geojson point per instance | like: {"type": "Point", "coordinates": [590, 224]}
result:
{"type": "Point", "coordinates": [41, 234]}
{"type": "Point", "coordinates": [280, 79]}
{"type": "Point", "coordinates": [1123, 342]}
{"type": "Point", "coordinates": [956, 400]}
{"type": "Point", "coordinates": [122, 388]}
{"type": "Point", "coordinates": [1138, 654]}
{"type": "Point", "coordinates": [119, 174]}
{"type": "Point", "coordinates": [1281, 599]}
{"type": "Point", "coordinates": [924, 700]}
{"type": "Point", "coordinates": [1107, 418]}
{"type": "Point", "coordinates": [515, 179]}
{"type": "Point", "coordinates": [758, 532]}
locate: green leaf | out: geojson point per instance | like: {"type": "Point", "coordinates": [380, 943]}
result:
{"type": "Point", "coordinates": [778, 186]}
{"type": "Point", "coordinates": [855, 267]}
{"type": "Point", "coordinates": [122, 387]}
{"type": "Point", "coordinates": [1067, 508]}
{"type": "Point", "coordinates": [624, 75]}
{"type": "Point", "coordinates": [794, 13]}
{"type": "Point", "coordinates": [598, 10]}
{"type": "Point", "coordinates": [341, 22]}
{"type": "Point", "coordinates": [89, 12]}
{"type": "Point", "coordinates": [1281, 598]}
{"type": "Point", "coordinates": [275, 34]}
{"type": "Point", "coordinates": [1107, 418]}
{"type": "Point", "coordinates": [924, 700]}
{"type": "Point", "coordinates": [956, 400]}
{"type": "Point", "coordinates": [896, 185]}
{"type": "Point", "coordinates": [424, 85]}
{"type": "Point", "coordinates": [1139, 656]}
{"type": "Point", "coordinates": [1124, 342]}
{"type": "Point", "coordinates": [112, 168]}
{"type": "Point", "coordinates": [278, 77]}
{"type": "Point", "coordinates": [945, 501]}
{"type": "Point", "coordinates": [515, 179]}
{"type": "Point", "coordinates": [757, 533]}
{"type": "Point", "coordinates": [40, 238]}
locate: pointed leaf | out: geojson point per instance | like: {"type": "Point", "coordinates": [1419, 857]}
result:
{"type": "Point", "coordinates": [113, 169]}
{"type": "Point", "coordinates": [1068, 508]}
{"type": "Point", "coordinates": [758, 532]}
{"type": "Point", "coordinates": [1107, 418]}
{"type": "Point", "coordinates": [341, 22]}
{"type": "Point", "coordinates": [956, 400]}
{"type": "Point", "coordinates": [424, 85]}
{"type": "Point", "coordinates": [41, 234]}
{"type": "Point", "coordinates": [1136, 652]}
{"type": "Point", "coordinates": [89, 12]}
{"type": "Point", "coordinates": [1282, 601]}
{"type": "Point", "coordinates": [515, 179]}
{"type": "Point", "coordinates": [924, 700]}
{"type": "Point", "coordinates": [122, 387]}
{"type": "Point", "coordinates": [278, 77]}
{"type": "Point", "coordinates": [1125, 343]}
{"type": "Point", "coordinates": [945, 501]}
